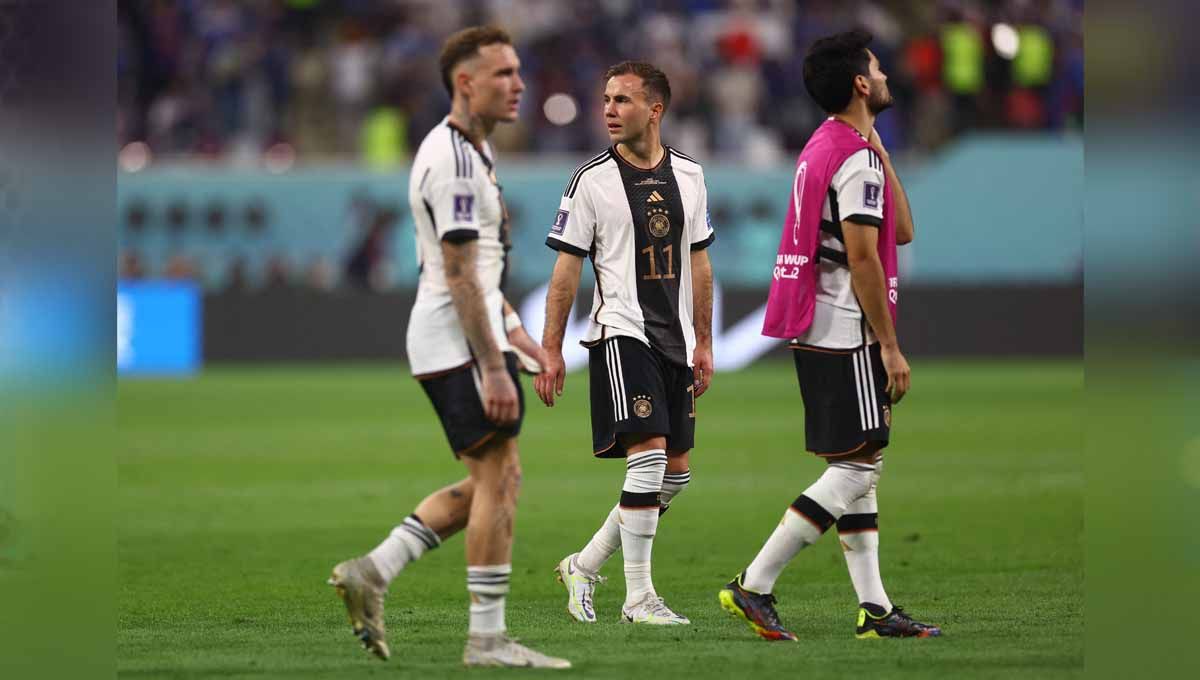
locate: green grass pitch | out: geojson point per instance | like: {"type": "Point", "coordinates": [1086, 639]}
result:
{"type": "Point", "coordinates": [240, 488]}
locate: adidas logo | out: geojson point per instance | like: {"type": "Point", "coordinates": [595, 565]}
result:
{"type": "Point", "coordinates": [655, 197]}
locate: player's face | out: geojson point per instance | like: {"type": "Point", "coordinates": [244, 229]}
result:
{"type": "Point", "coordinates": [627, 111]}
{"type": "Point", "coordinates": [495, 86]}
{"type": "Point", "coordinates": [880, 97]}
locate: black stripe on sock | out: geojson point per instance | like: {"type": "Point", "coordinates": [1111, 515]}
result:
{"type": "Point", "coordinates": [645, 462]}
{"type": "Point", "coordinates": [416, 527]}
{"type": "Point", "coordinates": [488, 580]}
{"type": "Point", "coordinates": [861, 522]}
{"type": "Point", "coordinates": [814, 512]}
{"type": "Point", "coordinates": [648, 499]}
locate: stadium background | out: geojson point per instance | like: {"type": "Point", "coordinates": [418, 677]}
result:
{"type": "Point", "coordinates": [261, 193]}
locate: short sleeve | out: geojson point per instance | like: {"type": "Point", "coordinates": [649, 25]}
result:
{"type": "Point", "coordinates": [574, 224]}
{"type": "Point", "coordinates": [859, 187]}
{"type": "Point", "coordinates": [702, 235]}
{"type": "Point", "coordinates": [454, 204]}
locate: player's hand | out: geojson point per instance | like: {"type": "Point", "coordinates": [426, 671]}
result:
{"type": "Point", "coordinates": [549, 383]}
{"type": "Point", "coordinates": [876, 143]}
{"type": "Point", "coordinates": [898, 373]}
{"type": "Point", "coordinates": [500, 403]}
{"type": "Point", "coordinates": [530, 355]}
{"type": "Point", "coordinates": [702, 370]}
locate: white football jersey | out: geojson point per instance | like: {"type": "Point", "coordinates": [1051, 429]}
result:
{"type": "Point", "coordinates": [454, 196]}
{"type": "Point", "coordinates": [855, 194]}
{"type": "Point", "coordinates": [639, 228]}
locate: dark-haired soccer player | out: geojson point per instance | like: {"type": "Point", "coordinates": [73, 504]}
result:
{"type": "Point", "coordinates": [834, 293]}
{"type": "Point", "coordinates": [639, 210]}
{"type": "Point", "coordinates": [459, 350]}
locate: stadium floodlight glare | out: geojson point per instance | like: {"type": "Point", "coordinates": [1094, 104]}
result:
{"type": "Point", "coordinates": [1005, 40]}
{"type": "Point", "coordinates": [134, 156]}
{"type": "Point", "coordinates": [560, 109]}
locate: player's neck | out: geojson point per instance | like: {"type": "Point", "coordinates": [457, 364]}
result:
{"type": "Point", "coordinates": [476, 128]}
{"type": "Point", "coordinates": [645, 153]}
{"type": "Point", "coordinates": [859, 118]}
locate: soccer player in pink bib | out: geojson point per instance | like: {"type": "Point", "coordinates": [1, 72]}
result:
{"type": "Point", "coordinates": [834, 295]}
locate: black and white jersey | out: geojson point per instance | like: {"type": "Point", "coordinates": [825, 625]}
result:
{"type": "Point", "coordinates": [855, 194]}
{"type": "Point", "coordinates": [639, 228]}
{"type": "Point", "coordinates": [454, 196]}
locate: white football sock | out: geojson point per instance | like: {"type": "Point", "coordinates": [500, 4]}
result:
{"type": "Point", "coordinates": [673, 484]}
{"type": "Point", "coordinates": [407, 542]}
{"type": "Point", "coordinates": [488, 587]}
{"type": "Point", "coordinates": [638, 515]}
{"type": "Point", "coordinates": [809, 516]}
{"type": "Point", "coordinates": [605, 542]}
{"type": "Point", "coordinates": [858, 531]}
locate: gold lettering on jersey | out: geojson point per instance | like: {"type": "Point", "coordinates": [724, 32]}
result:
{"type": "Point", "coordinates": [652, 262]}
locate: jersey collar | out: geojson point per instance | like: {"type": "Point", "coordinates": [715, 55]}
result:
{"type": "Point", "coordinates": [486, 161]}
{"type": "Point", "coordinates": [621, 159]}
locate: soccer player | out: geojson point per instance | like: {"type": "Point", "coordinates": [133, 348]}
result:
{"type": "Point", "coordinates": [834, 294]}
{"type": "Point", "coordinates": [639, 210]}
{"type": "Point", "coordinates": [459, 351]}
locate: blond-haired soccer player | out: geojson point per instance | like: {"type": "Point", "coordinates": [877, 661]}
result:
{"type": "Point", "coordinates": [639, 211]}
{"type": "Point", "coordinates": [460, 352]}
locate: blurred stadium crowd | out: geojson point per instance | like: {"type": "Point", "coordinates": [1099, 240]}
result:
{"type": "Point", "coordinates": [281, 81]}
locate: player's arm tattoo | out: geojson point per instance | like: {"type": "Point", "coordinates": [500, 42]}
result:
{"type": "Point", "coordinates": [702, 297]}
{"type": "Point", "coordinates": [867, 279]}
{"type": "Point", "coordinates": [467, 294]}
{"type": "Point", "coordinates": [564, 283]}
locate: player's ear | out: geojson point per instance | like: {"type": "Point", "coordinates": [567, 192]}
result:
{"type": "Point", "coordinates": [862, 85]}
{"type": "Point", "coordinates": [462, 81]}
{"type": "Point", "coordinates": [656, 111]}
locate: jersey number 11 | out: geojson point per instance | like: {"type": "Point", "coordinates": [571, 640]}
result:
{"type": "Point", "coordinates": [668, 251]}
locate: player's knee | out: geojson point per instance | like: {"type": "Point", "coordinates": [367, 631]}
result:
{"type": "Point", "coordinates": [678, 461]}
{"type": "Point", "coordinates": [840, 486]}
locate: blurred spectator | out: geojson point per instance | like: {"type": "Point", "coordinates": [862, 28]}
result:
{"type": "Point", "coordinates": [320, 275]}
{"type": "Point", "coordinates": [132, 267]}
{"type": "Point", "coordinates": [181, 267]}
{"type": "Point", "coordinates": [279, 273]}
{"type": "Point", "coordinates": [222, 78]}
{"type": "Point", "coordinates": [237, 279]}
{"type": "Point", "coordinates": [366, 266]}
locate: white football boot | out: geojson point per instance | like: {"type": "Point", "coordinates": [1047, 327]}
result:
{"type": "Point", "coordinates": [652, 610]}
{"type": "Point", "coordinates": [362, 589]}
{"type": "Point", "coordinates": [501, 650]}
{"type": "Point", "coordinates": [580, 589]}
